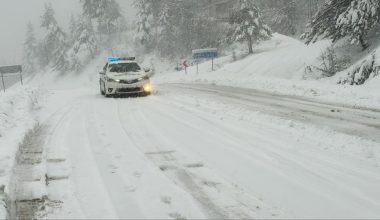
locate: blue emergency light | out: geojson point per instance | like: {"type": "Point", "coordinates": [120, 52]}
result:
{"type": "Point", "coordinates": [114, 59]}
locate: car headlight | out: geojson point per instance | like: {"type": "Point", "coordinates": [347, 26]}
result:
{"type": "Point", "coordinates": [113, 80]}
{"type": "Point", "coordinates": [147, 87]}
{"type": "Point", "coordinates": [143, 78]}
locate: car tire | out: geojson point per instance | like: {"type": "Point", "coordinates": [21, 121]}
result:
{"type": "Point", "coordinates": [105, 91]}
{"type": "Point", "coordinates": [102, 91]}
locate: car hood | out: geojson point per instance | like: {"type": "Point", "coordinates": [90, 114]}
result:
{"type": "Point", "coordinates": [126, 76]}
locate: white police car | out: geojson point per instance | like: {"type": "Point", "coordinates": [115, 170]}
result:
{"type": "Point", "coordinates": [124, 76]}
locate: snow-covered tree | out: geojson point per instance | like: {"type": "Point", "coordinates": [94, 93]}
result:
{"type": "Point", "coordinates": [91, 8]}
{"type": "Point", "coordinates": [360, 17]}
{"type": "Point", "coordinates": [248, 25]}
{"type": "Point", "coordinates": [30, 50]}
{"type": "Point", "coordinates": [344, 19]}
{"type": "Point", "coordinates": [284, 19]}
{"type": "Point", "coordinates": [144, 23]}
{"type": "Point", "coordinates": [168, 30]}
{"type": "Point", "coordinates": [85, 38]}
{"type": "Point", "coordinates": [106, 17]}
{"type": "Point", "coordinates": [55, 43]}
{"type": "Point", "coordinates": [174, 28]}
{"type": "Point", "coordinates": [109, 15]}
{"type": "Point", "coordinates": [72, 28]}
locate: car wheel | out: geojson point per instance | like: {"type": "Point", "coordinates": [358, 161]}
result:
{"type": "Point", "coordinates": [102, 91]}
{"type": "Point", "coordinates": [105, 91]}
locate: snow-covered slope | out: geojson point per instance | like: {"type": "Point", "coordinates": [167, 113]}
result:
{"type": "Point", "coordinates": [281, 57]}
{"type": "Point", "coordinates": [278, 66]}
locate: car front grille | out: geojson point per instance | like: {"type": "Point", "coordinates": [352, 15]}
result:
{"type": "Point", "coordinates": [129, 90]}
{"type": "Point", "coordinates": [129, 81]}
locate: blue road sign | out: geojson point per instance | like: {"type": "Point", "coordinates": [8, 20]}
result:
{"type": "Point", "coordinates": [205, 53]}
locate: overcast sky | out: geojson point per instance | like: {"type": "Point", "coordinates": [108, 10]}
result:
{"type": "Point", "coordinates": [15, 14]}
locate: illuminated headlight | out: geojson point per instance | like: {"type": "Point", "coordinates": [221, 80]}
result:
{"type": "Point", "coordinates": [143, 78]}
{"type": "Point", "coordinates": [113, 80]}
{"type": "Point", "coordinates": [147, 87]}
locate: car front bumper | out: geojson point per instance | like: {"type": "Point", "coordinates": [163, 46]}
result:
{"type": "Point", "coordinates": [114, 88]}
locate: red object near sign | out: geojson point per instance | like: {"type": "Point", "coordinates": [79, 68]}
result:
{"type": "Point", "coordinates": [185, 64]}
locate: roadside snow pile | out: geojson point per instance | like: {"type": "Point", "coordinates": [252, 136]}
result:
{"type": "Point", "coordinates": [279, 66]}
{"type": "Point", "coordinates": [16, 118]}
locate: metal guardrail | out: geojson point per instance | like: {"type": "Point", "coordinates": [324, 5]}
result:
{"type": "Point", "coordinates": [10, 71]}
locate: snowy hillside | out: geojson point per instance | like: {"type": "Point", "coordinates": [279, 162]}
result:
{"type": "Point", "coordinates": [278, 66]}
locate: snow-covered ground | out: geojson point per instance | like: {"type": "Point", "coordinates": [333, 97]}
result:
{"type": "Point", "coordinates": [249, 140]}
{"type": "Point", "coordinates": [278, 66]}
{"type": "Point", "coordinates": [17, 115]}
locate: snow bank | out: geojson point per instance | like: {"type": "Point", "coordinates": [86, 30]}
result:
{"type": "Point", "coordinates": [16, 118]}
{"type": "Point", "coordinates": [278, 66]}
{"type": "Point", "coordinates": [363, 70]}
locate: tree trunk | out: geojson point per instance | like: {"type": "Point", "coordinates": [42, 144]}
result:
{"type": "Point", "coordinates": [250, 45]}
{"type": "Point", "coordinates": [363, 43]}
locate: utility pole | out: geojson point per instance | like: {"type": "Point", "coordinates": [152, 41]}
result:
{"type": "Point", "coordinates": [2, 80]}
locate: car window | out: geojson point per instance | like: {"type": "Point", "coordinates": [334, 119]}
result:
{"type": "Point", "coordinates": [124, 67]}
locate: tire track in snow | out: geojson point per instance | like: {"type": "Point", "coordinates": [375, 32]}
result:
{"type": "Point", "coordinates": [152, 142]}
{"type": "Point", "coordinates": [28, 197]}
{"type": "Point", "coordinates": [211, 209]}
{"type": "Point", "coordinates": [312, 165]}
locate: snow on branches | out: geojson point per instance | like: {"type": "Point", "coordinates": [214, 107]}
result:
{"type": "Point", "coordinates": [339, 19]}
{"type": "Point", "coordinates": [248, 25]}
{"type": "Point", "coordinates": [358, 19]}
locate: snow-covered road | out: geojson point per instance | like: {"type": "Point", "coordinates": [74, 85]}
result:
{"type": "Point", "coordinates": [359, 121]}
{"type": "Point", "coordinates": [204, 151]}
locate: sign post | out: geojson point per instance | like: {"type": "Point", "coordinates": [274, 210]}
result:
{"type": "Point", "coordinates": [197, 67]}
{"type": "Point", "coordinates": [206, 53]}
{"type": "Point", "coordinates": [21, 78]}
{"type": "Point", "coordinates": [212, 64]}
{"type": "Point", "coordinates": [2, 80]}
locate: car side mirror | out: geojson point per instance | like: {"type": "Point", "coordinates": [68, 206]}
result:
{"type": "Point", "coordinates": [102, 73]}
{"type": "Point", "coordinates": [147, 70]}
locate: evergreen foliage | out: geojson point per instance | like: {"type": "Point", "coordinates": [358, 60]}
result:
{"type": "Point", "coordinates": [339, 19]}
{"type": "Point", "coordinates": [249, 25]}
{"type": "Point", "coordinates": [55, 42]}
{"type": "Point", "coordinates": [176, 27]}
{"type": "Point", "coordinates": [30, 50]}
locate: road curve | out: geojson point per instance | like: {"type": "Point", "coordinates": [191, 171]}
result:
{"type": "Point", "coordinates": [362, 122]}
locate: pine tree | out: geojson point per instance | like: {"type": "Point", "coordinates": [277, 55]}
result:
{"type": "Point", "coordinates": [55, 44]}
{"type": "Point", "coordinates": [144, 23]}
{"type": "Point", "coordinates": [168, 31]}
{"type": "Point", "coordinates": [30, 50]}
{"type": "Point", "coordinates": [85, 38]}
{"type": "Point", "coordinates": [91, 8]}
{"type": "Point", "coordinates": [107, 16]}
{"type": "Point", "coordinates": [344, 18]}
{"type": "Point", "coordinates": [360, 17]}
{"type": "Point", "coordinates": [72, 28]}
{"type": "Point", "coordinates": [248, 25]}
{"type": "Point", "coordinates": [285, 18]}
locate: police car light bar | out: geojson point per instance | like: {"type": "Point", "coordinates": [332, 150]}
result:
{"type": "Point", "coordinates": [114, 59]}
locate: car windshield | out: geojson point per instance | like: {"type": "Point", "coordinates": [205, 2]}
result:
{"type": "Point", "coordinates": [124, 67]}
